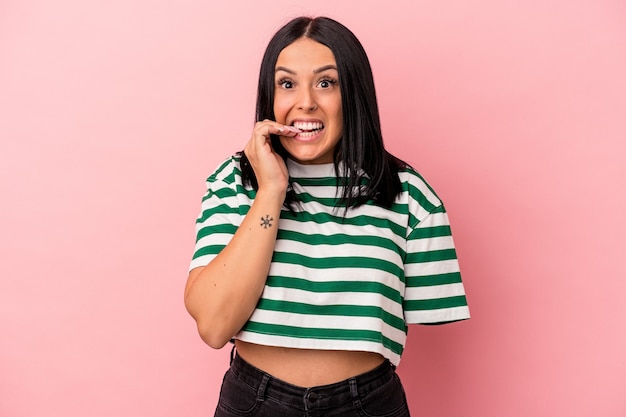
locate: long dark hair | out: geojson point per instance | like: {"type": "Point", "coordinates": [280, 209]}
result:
{"type": "Point", "coordinates": [371, 172]}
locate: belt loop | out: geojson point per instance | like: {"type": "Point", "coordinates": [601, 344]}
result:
{"type": "Point", "coordinates": [354, 392]}
{"type": "Point", "coordinates": [260, 395]}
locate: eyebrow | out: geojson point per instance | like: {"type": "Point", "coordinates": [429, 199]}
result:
{"type": "Point", "coordinates": [315, 71]}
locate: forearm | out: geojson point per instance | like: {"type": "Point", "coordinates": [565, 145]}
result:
{"type": "Point", "coordinates": [222, 295]}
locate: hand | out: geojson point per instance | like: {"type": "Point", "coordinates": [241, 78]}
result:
{"type": "Point", "coordinates": [269, 168]}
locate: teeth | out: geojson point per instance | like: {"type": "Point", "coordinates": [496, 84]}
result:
{"type": "Point", "coordinates": [307, 134]}
{"type": "Point", "coordinates": [308, 125]}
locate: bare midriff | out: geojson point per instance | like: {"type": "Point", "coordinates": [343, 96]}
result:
{"type": "Point", "coordinates": [308, 367]}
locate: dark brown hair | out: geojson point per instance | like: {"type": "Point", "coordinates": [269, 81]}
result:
{"type": "Point", "coordinates": [371, 172]}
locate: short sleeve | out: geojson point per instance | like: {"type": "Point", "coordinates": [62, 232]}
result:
{"type": "Point", "coordinates": [220, 214]}
{"type": "Point", "coordinates": [434, 290]}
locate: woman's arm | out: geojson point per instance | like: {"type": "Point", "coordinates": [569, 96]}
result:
{"type": "Point", "coordinates": [222, 295]}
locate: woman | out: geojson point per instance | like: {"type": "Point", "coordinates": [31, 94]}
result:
{"type": "Point", "coordinates": [316, 246]}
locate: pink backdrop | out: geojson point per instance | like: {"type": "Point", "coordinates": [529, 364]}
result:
{"type": "Point", "coordinates": [112, 113]}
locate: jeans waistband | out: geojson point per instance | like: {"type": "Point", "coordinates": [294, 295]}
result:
{"type": "Point", "coordinates": [322, 396]}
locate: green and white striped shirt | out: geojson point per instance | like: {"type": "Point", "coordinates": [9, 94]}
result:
{"type": "Point", "coordinates": [342, 283]}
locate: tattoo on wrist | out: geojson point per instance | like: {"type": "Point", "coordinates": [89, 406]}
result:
{"type": "Point", "coordinates": [266, 221]}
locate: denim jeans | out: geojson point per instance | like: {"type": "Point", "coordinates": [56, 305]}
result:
{"type": "Point", "coordinates": [248, 391]}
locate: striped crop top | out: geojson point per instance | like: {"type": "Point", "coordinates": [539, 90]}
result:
{"type": "Point", "coordinates": [338, 283]}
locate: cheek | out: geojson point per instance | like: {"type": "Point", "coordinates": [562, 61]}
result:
{"type": "Point", "coordinates": [339, 118]}
{"type": "Point", "coordinates": [281, 107]}
{"type": "Point", "coordinates": [337, 110]}
{"type": "Point", "coordinates": [280, 115]}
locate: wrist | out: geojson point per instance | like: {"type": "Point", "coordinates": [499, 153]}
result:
{"type": "Point", "coordinates": [273, 197]}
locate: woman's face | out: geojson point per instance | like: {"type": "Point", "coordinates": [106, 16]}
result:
{"type": "Point", "coordinates": [307, 96]}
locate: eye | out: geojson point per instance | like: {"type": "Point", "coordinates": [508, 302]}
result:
{"type": "Point", "coordinates": [285, 83]}
{"type": "Point", "coordinates": [327, 83]}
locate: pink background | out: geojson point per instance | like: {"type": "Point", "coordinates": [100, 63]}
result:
{"type": "Point", "coordinates": [112, 113]}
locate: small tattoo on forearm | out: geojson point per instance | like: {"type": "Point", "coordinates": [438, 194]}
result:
{"type": "Point", "coordinates": [266, 221]}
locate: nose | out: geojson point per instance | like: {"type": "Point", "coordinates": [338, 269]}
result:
{"type": "Point", "coordinates": [306, 100]}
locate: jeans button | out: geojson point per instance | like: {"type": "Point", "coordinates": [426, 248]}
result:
{"type": "Point", "coordinates": [312, 397]}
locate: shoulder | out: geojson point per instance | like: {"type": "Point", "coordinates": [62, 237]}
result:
{"type": "Point", "coordinates": [417, 190]}
{"type": "Point", "coordinates": [226, 179]}
{"type": "Point", "coordinates": [228, 171]}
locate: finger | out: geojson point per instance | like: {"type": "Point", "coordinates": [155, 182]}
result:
{"type": "Point", "coordinates": [285, 130]}
{"type": "Point", "coordinates": [270, 127]}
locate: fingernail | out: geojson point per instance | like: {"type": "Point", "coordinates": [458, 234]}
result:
{"type": "Point", "coordinates": [293, 129]}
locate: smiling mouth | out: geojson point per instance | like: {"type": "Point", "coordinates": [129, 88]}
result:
{"type": "Point", "coordinates": [308, 129]}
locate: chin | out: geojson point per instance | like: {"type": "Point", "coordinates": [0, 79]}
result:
{"type": "Point", "coordinates": [302, 156]}
{"type": "Point", "coordinates": [308, 160]}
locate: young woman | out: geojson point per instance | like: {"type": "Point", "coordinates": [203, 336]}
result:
{"type": "Point", "coordinates": [315, 246]}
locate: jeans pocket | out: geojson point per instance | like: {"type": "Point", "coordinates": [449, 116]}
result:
{"type": "Point", "coordinates": [388, 400]}
{"type": "Point", "coordinates": [237, 399]}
